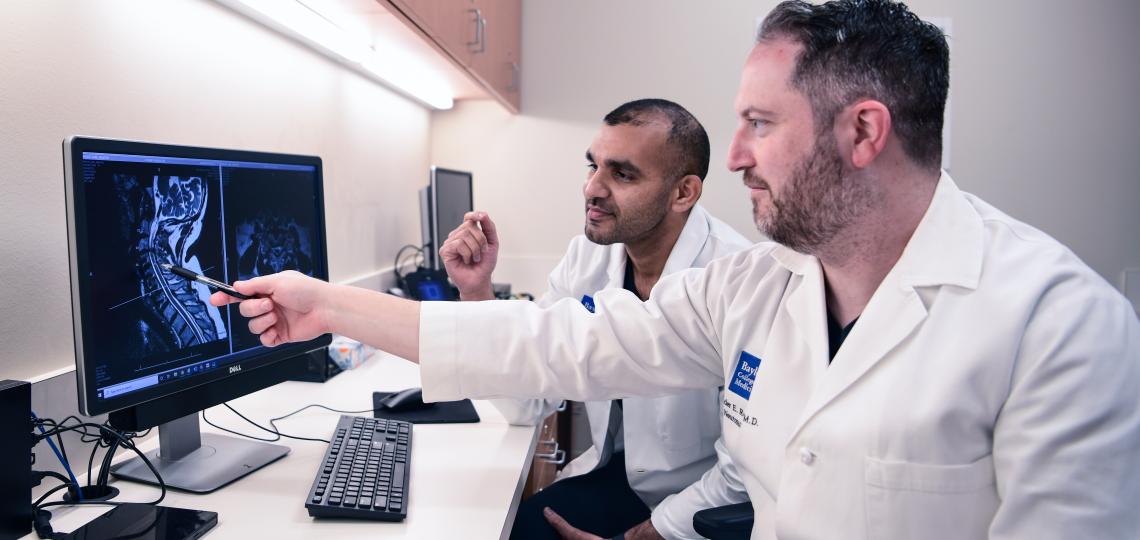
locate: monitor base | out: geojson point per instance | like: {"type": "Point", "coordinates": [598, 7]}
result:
{"type": "Point", "coordinates": [217, 462]}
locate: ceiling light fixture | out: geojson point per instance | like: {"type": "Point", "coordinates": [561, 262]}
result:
{"type": "Point", "coordinates": [396, 70]}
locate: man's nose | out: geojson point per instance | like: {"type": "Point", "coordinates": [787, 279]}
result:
{"type": "Point", "coordinates": [739, 155]}
{"type": "Point", "coordinates": [595, 187]}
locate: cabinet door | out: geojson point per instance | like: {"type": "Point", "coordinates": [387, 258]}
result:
{"type": "Point", "coordinates": [548, 457]}
{"type": "Point", "coordinates": [498, 61]}
{"type": "Point", "coordinates": [454, 26]}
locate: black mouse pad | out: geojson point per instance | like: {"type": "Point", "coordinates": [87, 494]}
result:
{"type": "Point", "coordinates": [443, 412]}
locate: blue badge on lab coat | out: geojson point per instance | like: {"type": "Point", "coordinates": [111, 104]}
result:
{"type": "Point", "coordinates": [745, 375]}
{"type": "Point", "coordinates": [588, 302]}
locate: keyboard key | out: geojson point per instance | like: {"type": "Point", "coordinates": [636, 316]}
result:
{"type": "Point", "coordinates": [365, 502]}
{"type": "Point", "coordinates": [398, 477]}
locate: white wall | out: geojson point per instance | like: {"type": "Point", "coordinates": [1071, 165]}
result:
{"type": "Point", "coordinates": [183, 72]}
{"type": "Point", "coordinates": [1044, 113]}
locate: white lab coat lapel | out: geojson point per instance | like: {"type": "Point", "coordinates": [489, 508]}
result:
{"type": "Point", "coordinates": [946, 249]}
{"type": "Point", "coordinates": [890, 316]}
{"type": "Point", "coordinates": [806, 306]}
{"type": "Point", "coordinates": [689, 243]}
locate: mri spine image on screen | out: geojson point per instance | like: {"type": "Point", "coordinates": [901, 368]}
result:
{"type": "Point", "coordinates": [169, 225]}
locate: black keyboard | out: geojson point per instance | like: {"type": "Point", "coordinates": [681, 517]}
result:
{"type": "Point", "coordinates": [365, 471]}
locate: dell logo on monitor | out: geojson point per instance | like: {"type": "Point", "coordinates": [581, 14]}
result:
{"type": "Point", "coordinates": [235, 369]}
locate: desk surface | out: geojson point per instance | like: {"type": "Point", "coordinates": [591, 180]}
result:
{"type": "Point", "coordinates": [466, 479]}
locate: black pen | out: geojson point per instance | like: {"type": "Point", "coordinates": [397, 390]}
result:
{"type": "Point", "coordinates": [213, 284]}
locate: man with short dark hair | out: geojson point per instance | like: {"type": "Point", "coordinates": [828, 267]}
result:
{"type": "Point", "coordinates": [653, 462]}
{"type": "Point", "coordinates": [905, 361]}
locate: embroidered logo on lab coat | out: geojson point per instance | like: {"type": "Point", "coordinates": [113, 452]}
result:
{"type": "Point", "coordinates": [588, 302]}
{"type": "Point", "coordinates": [745, 375]}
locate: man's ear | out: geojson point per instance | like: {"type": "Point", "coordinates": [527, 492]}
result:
{"type": "Point", "coordinates": [686, 193]}
{"type": "Point", "coordinates": [863, 130]}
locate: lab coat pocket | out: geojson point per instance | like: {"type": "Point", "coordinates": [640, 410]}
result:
{"type": "Point", "coordinates": [910, 500]}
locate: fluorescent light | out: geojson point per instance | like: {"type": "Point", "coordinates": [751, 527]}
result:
{"type": "Point", "coordinates": [390, 66]}
{"type": "Point", "coordinates": [408, 75]}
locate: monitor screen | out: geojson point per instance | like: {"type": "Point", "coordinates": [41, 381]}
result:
{"type": "Point", "coordinates": [143, 332]}
{"type": "Point", "coordinates": [451, 199]}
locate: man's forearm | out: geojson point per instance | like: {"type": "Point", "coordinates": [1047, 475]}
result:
{"type": "Point", "coordinates": [384, 321]}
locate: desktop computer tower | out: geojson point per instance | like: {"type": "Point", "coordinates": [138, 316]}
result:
{"type": "Point", "coordinates": [16, 459]}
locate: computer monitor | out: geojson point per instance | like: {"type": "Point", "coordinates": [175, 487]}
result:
{"type": "Point", "coordinates": [442, 206]}
{"type": "Point", "coordinates": [150, 349]}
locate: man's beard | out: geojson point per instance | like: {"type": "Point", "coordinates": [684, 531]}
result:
{"type": "Point", "coordinates": [817, 202]}
{"type": "Point", "coordinates": [632, 225]}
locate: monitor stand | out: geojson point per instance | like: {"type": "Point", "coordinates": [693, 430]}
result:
{"type": "Point", "coordinates": [189, 460]}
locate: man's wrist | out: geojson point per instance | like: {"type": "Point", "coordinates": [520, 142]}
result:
{"type": "Point", "coordinates": [331, 309]}
{"type": "Point", "coordinates": [482, 292]}
{"type": "Point", "coordinates": [643, 531]}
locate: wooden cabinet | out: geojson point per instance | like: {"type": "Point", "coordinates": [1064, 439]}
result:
{"type": "Point", "coordinates": [483, 37]}
{"type": "Point", "coordinates": [499, 62]}
{"type": "Point", "coordinates": [548, 456]}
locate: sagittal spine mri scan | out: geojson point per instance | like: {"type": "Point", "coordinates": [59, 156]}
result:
{"type": "Point", "coordinates": [169, 222]}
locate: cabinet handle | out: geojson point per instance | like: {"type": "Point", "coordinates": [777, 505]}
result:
{"type": "Point", "coordinates": [514, 87]}
{"type": "Point", "coordinates": [557, 457]}
{"type": "Point", "coordinates": [480, 32]}
{"type": "Point", "coordinates": [553, 444]}
{"type": "Point", "coordinates": [561, 406]}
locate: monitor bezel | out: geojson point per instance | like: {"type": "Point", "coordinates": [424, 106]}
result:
{"type": "Point", "coordinates": [250, 369]}
{"type": "Point", "coordinates": [436, 234]}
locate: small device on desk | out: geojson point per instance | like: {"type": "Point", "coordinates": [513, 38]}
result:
{"type": "Point", "coordinates": [147, 521]}
{"type": "Point", "coordinates": [365, 471]}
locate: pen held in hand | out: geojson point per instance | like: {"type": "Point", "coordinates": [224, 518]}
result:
{"type": "Point", "coordinates": [213, 284]}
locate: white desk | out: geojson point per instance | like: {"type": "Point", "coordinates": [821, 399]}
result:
{"type": "Point", "coordinates": [466, 479]}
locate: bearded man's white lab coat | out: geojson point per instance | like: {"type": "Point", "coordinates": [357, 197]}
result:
{"type": "Point", "coordinates": [988, 389]}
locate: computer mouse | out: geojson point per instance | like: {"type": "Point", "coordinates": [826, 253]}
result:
{"type": "Point", "coordinates": [405, 400]}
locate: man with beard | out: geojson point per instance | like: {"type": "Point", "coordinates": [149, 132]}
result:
{"type": "Point", "coordinates": [645, 172]}
{"type": "Point", "coordinates": [976, 379]}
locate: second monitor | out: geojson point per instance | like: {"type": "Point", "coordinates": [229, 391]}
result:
{"type": "Point", "coordinates": [443, 203]}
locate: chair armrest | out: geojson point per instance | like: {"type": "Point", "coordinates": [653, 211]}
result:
{"type": "Point", "coordinates": [732, 522]}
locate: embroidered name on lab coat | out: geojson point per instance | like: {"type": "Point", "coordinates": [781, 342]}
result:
{"type": "Point", "coordinates": [588, 302]}
{"type": "Point", "coordinates": [745, 375]}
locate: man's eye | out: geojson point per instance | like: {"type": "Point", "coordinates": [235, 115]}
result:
{"type": "Point", "coordinates": [758, 123]}
{"type": "Point", "coordinates": [620, 175]}
{"type": "Point", "coordinates": [592, 167]}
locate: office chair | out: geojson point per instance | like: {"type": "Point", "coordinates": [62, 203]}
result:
{"type": "Point", "coordinates": [731, 522]}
